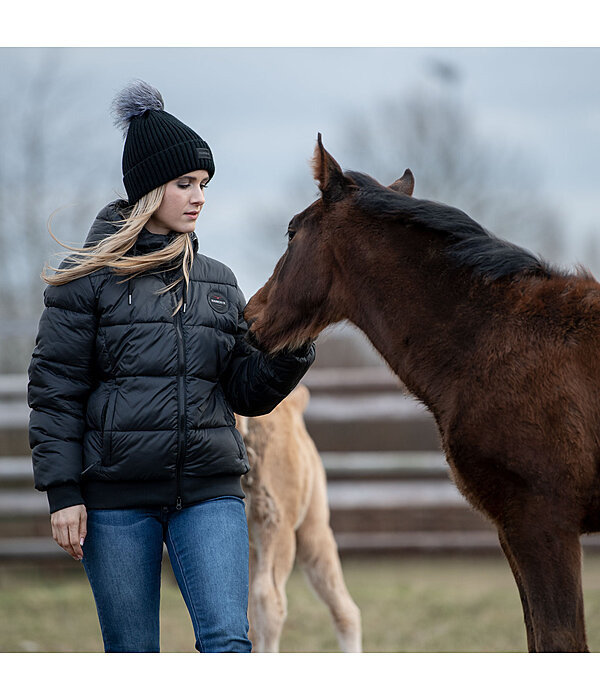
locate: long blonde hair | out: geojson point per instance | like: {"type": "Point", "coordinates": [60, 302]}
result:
{"type": "Point", "coordinates": [110, 251]}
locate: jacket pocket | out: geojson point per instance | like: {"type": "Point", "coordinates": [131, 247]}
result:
{"type": "Point", "coordinates": [203, 406]}
{"type": "Point", "coordinates": [240, 442]}
{"type": "Point", "coordinates": [108, 415]}
{"type": "Point", "coordinates": [94, 465]}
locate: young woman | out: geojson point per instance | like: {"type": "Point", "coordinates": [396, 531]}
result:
{"type": "Point", "coordinates": [140, 362]}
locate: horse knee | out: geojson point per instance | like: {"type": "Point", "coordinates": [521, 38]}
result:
{"type": "Point", "coordinates": [266, 598]}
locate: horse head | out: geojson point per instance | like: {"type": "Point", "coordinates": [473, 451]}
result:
{"type": "Point", "coordinates": [305, 293]}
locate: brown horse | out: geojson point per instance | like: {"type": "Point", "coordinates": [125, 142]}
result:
{"type": "Point", "coordinates": [501, 347]}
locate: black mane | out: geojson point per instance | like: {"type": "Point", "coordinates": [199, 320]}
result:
{"type": "Point", "coordinates": [469, 244]}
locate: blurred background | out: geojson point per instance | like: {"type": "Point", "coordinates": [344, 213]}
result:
{"type": "Point", "coordinates": [511, 136]}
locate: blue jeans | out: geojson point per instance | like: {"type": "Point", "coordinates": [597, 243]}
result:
{"type": "Point", "coordinates": [208, 548]}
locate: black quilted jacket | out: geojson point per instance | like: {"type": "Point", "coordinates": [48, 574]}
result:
{"type": "Point", "coordinates": [133, 407]}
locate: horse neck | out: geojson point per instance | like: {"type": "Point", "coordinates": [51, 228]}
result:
{"type": "Point", "coordinates": [413, 306]}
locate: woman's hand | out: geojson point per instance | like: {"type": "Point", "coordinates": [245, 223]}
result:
{"type": "Point", "coordinates": [69, 528]}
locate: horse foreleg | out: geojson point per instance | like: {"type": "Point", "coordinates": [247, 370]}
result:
{"type": "Point", "coordinates": [522, 593]}
{"type": "Point", "coordinates": [549, 563]}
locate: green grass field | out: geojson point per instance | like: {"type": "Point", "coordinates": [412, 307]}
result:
{"type": "Point", "coordinates": [452, 604]}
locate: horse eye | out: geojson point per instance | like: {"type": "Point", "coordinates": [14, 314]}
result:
{"type": "Point", "coordinates": [290, 234]}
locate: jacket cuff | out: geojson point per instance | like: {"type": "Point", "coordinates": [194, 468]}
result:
{"type": "Point", "coordinates": [304, 352]}
{"type": "Point", "coordinates": [63, 496]}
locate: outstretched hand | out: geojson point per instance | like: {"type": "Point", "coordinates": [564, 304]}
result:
{"type": "Point", "coordinates": [69, 528]}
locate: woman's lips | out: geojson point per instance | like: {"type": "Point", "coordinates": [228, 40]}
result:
{"type": "Point", "coordinates": [192, 215]}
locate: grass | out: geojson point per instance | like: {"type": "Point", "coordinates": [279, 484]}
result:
{"type": "Point", "coordinates": [451, 604]}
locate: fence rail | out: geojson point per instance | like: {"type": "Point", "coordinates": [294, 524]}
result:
{"type": "Point", "coordinates": [389, 485]}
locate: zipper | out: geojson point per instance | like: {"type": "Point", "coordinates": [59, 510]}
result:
{"type": "Point", "coordinates": [87, 469]}
{"type": "Point", "coordinates": [238, 439]}
{"type": "Point", "coordinates": [181, 417]}
{"type": "Point", "coordinates": [103, 417]}
{"type": "Point", "coordinates": [204, 404]}
{"type": "Point", "coordinates": [108, 413]}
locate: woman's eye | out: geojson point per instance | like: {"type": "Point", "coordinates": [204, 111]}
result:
{"type": "Point", "coordinates": [183, 185]}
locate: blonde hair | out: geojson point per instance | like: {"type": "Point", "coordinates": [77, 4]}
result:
{"type": "Point", "coordinates": [110, 251]}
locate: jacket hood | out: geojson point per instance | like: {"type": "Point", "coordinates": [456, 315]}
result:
{"type": "Point", "coordinates": [108, 221]}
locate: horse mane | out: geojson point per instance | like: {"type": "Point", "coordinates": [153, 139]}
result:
{"type": "Point", "coordinates": [468, 243]}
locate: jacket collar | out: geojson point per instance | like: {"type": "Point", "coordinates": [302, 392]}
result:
{"type": "Point", "coordinates": [107, 222]}
{"type": "Point", "coordinates": [148, 242]}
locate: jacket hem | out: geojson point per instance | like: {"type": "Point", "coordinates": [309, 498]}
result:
{"type": "Point", "coordinates": [146, 494]}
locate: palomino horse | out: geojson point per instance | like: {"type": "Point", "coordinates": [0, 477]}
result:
{"type": "Point", "coordinates": [288, 519]}
{"type": "Point", "coordinates": [501, 347]}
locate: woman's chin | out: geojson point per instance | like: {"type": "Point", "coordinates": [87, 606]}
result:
{"type": "Point", "coordinates": [185, 227]}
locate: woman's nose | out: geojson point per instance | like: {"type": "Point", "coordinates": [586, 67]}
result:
{"type": "Point", "coordinates": [197, 196]}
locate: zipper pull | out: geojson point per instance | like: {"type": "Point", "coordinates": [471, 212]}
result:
{"type": "Point", "coordinates": [178, 506]}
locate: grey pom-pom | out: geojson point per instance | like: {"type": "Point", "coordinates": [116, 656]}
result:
{"type": "Point", "coordinates": [132, 101]}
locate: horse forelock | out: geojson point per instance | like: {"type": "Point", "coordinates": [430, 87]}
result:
{"type": "Point", "coordinates": [468, 244]}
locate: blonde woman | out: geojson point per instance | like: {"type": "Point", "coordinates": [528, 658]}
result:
{"type": "Point", "coordinates": [140, 362]}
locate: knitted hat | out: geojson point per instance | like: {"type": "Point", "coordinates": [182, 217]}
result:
{"type": "Point", "coordinates": [158, 147]}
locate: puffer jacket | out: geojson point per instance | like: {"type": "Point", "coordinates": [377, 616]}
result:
{"type": "Point", "coordinates": [133, 407]}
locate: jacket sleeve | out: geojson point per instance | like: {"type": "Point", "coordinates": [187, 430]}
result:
{"type": "Point", "coordinates": [255, 382]}
{"type": "Point", "coordinates": [61, 377]}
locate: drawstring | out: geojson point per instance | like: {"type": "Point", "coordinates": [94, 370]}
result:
{"type": "Point", "coordinates": [129, 283]}
{"type": "Point", "coordinates": [130, 288]}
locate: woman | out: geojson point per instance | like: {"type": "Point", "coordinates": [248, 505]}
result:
{"type": "Point", "coordinates": [133, 389]}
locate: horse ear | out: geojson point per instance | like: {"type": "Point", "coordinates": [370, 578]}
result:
{"type": "Point", "coordinates": [404, 184]}
{"type": "Point", "coordinates": [332, 182]}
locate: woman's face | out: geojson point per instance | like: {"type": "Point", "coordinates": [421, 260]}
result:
{"type": "Point", "coordinates": [181, 204]}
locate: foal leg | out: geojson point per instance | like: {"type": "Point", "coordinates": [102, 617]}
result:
{"type": "Point", "coordinates": [318, 556]}
{"type": "Point", "coordinates": [272, 559]}
{"type": "Point", "coordinates": [522, 593]}
{"type": "Point", "coordinates": [549, 563]}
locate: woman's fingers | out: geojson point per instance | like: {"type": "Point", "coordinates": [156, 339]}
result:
{"type": "Point", "coordinates": [82, 526]}
{"type": "Point", "coordinates": [74, 541]}
{"type": "Point", "coordinates": [67, 527]}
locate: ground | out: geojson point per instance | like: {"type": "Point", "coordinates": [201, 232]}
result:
{"type": "Point", "coordinates": [408, 604]}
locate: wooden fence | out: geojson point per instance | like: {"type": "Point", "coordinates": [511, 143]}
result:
{"type": "Point", "coordinates": [388, 483]}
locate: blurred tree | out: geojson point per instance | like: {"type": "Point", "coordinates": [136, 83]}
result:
{"type": "Point", "coordinates": [432, 133]}
{"type": "Point", "coordinates": [48, 161]}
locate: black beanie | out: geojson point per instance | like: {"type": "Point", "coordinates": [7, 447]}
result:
{"type": "Point", "coordinates": [158, 147]}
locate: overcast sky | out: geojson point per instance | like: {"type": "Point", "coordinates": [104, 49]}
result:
{"type": "Point", "coordinates": [260, 111]}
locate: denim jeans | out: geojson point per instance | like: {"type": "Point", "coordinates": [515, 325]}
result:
{"type": "Point", "coordinates": [208, 548]}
